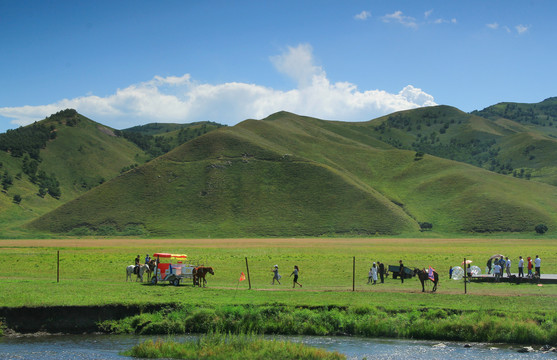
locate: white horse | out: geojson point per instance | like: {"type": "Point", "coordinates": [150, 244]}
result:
{"type": "Point", "coordinates": [129, 272]}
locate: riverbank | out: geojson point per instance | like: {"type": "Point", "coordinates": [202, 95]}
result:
{"type": "Point", "coordinates": [517, 327]}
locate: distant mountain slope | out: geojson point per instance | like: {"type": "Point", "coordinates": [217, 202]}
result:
{"type": "Point", "coordinates": [157, 139]}
{"type": "Point", "coordinates": [539, 114]}
{"type": "Point", "coordinates": [290, 175]}
{"type": "Point", "coordinates": [497, 144]}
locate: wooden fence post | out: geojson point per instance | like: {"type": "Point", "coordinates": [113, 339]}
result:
{"type": "Point", "coordinates": [247, 269]}
{"type": "Point", "coordinates": [354, 273]}
{"type": "Point", "coordinates": [58, 267]}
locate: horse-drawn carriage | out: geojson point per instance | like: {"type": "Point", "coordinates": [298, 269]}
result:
{"type": "Point", "coordinates": [395, 270]}
{"type": "Point", "coordinates": [173, 272]}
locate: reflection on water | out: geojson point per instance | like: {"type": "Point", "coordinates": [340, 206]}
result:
{"type": "Point", "coordinates": [105, 347]}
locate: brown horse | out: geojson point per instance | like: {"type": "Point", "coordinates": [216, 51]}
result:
{"type": "Point", "coordinates": [423, 276]}
{"type": "Point", "coordinates": [150, 268]}
{"type": "Point", "coordinates": [199, 273]}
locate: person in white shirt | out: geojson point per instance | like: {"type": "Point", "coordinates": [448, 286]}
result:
{"type": "Point", "coordinates": [537, 265]}
{"type": "Point", "coordinates": [508, 266]}
{"type": "Point", "coordinates": [497, 271]}
{"type": "Point", "coordinates": [520, 267]}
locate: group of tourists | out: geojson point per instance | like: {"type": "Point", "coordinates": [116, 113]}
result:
{"type": "Point", "coordinates": [497, 266]}
{"type": "Point", "coordinates": [376, 268]}
{"type": "Point", "coordinates": [277, 277]}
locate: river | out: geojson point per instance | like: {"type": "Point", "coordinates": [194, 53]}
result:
{"type": "Point", "coordinates": [107, 347]}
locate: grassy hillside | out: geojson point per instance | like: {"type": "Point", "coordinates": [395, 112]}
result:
{"type": "Point", "coordinates": [80, 155]}
{"type": "Point", "coordinates": [157, 139]}
{"type": "Point", "coordinates": [497, 144]}
{"type": "Point", "coordinates": [532, 149]}
{"type": "Point", "coordinates": [289, 175]}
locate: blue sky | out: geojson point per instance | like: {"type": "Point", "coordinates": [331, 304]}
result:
{"type": "Point", "coordinates": [125, 63]}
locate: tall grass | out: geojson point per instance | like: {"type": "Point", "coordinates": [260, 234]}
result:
{"type": "Point", "coordinates": [216, 346]}
{"type": "Point", "coordinates": [367, 321]}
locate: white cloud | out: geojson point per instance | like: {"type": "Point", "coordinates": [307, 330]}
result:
{"type": "Point", "coordinates": [181, 99]}
{"type": "Point", "coordinates": [493, 26]}
{"type": "Point", "coordinates": [521, 29]}
{"type": "Point", "coordinates": [428, 13]}
{"type": "Point", "coordinates": [400, 18]}
{"type": "Point", "coordinates": [363, 15]}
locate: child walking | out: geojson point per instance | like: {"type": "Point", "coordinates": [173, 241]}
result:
{"type": "Point", "coordinates": [295, 273]}
{"type": "Point", "coordinates": [276, 275]}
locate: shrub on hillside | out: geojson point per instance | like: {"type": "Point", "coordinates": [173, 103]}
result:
{"type": "Point", "coordinates": [541, 229]}
{"type": "Point", "coordinates": [425, 226]}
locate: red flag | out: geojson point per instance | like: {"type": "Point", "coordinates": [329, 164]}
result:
{"type": "Point", "coordinates": [242, 277]}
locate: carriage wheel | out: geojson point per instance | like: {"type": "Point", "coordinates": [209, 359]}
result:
{"type": "Point", "coordinates": [176, 282]}
{"type": "Point", "coordinates": [154, 280]}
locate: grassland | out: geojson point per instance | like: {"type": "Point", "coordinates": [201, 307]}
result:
{"type": "Point", "coordinates": [97, 266]}
{"type": "Point", "coordinates": [92, 272]}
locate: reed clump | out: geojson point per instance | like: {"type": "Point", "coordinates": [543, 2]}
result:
{"type": "Point", "coordinates": [216, 346]}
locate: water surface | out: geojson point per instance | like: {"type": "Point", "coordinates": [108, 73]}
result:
{"type": "Point", "coordinates": [108, 347]}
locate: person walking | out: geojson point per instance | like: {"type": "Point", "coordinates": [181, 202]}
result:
{"type": "Point", "coordinates": [450, 272]}
{"type": "Point", "coordinates": [508, 266]}
{"type": "Point", "coordinates": [401, 271]}
{"type": "Point", "coordinates": [295, 273]}
{"type": "Point", "coordinates": [520, 267]}
{"type": "Point", "coordinates": [489, 266]}
{"type": "Point", "coordinates": [497, 271]}
{"type": "Point", "coordinates": [381, 271]}
{"type": "Point", "coordinates": [276, 275]}
{"type": "Point", "coordinates": [530, 267]}
{"type": "Point", "coordinates": [369, 276]}
{"type": "Point", "coordinates": [538, 265]}
{"type": "Point", "coordinates": [502, 264]}
{"type": "Point", "coordinates": [469, 273]}
{"type": "Point", "coordinates": [374, 273]}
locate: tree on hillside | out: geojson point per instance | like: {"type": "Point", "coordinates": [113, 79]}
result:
{"type": "Point", "coordinates": [17, 199]}
{"type": "Point", "coordinates": [7, 181]}
{"type": "Point", "coordinates": [48, 184]}
{"type": "Point", "coordinates": [425, 226]}
{"type": "Point", "coordinates": [541, 229]}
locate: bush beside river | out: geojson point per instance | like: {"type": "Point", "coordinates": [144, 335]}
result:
{"type": "Point", "coordinates": [367, 321]}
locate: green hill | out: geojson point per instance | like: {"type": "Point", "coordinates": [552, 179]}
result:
{"type": "Point", "coordinates": [289, 175]}
{"type": "Point", "coordinates": [157, 139]}
{"type": "Point", "coordinates": [77, 155]}
{"type": "Point", "coordinates": [497, 144]}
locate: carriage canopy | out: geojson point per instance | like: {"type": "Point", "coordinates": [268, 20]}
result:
{"type": "Point", "coordinates": [166, 255]}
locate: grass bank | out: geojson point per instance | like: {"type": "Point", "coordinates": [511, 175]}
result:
{"type": "Point", "coordinates": [366, 321]}
{"type": "Point", "coordinates": [230, 347]}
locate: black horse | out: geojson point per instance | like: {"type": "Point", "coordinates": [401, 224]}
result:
{"type": "Point", "coordinates": [423, 276]}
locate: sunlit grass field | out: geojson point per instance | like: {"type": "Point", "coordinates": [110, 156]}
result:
{"type": "Point", "coordinates": [92, 272]}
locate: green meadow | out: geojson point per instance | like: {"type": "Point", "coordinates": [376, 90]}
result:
{"type": "Point", "coordinates": [92, 272]}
